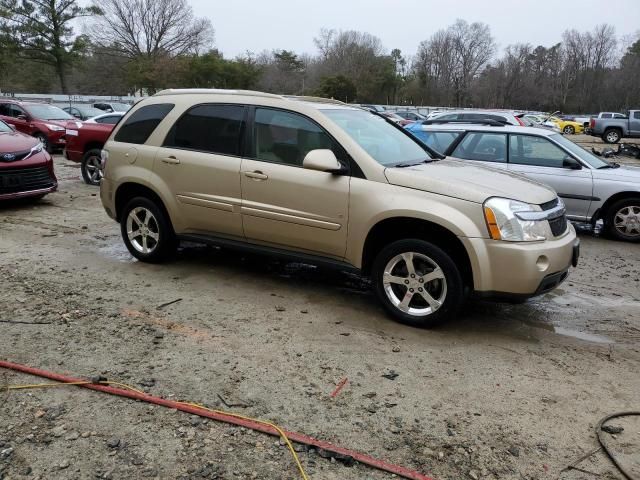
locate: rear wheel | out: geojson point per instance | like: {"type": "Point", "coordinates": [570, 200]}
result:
{"type": "Point", "coordinates": [147, 231]}
{"type": "Point", "coordinates": [569, 130]}
{"type": "Point", "coordinates": [623, 219]}
{"type": "Point", "coordinates": [612, 135]}
{"type": "Point", "coordinates": [417, 283]}
{"type": "Point", "coordinates": [90, 167]}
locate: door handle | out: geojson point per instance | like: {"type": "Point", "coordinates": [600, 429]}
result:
{"type": "Point", "coordinates": [257, 175]}
{"type": "Point", "coordinates": [171, 160]}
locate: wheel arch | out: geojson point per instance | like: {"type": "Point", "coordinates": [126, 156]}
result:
{"type": "Point", "coordinates": [602, 212]}
{"type": "Point", "coordinates": [129, 190]}
{"type": "Point", "coordinates": [91, 146]}
{"type": "Point", "coordinates": [392, 229]}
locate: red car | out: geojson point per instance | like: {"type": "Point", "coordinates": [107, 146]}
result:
{"type": "Point", "coordinates": [26, 168]}
{"type": "Point", "coordinates": [43, 121]}
{"type": "Point", "coordinates": [85, 141]}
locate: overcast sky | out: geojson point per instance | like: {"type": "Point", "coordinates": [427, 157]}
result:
{"type": "Point", "coordinates": [257, 25]}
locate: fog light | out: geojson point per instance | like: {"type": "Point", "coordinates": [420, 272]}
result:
{"type": "Point", "coordinates": [542, 263]}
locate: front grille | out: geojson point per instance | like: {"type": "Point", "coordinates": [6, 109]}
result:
{"type": "Point", "coordinates": [13, 156]}
{"type": "Point", "coordinates": [558, 225]}
{"type": "Point", "coordinates": [15, 180]}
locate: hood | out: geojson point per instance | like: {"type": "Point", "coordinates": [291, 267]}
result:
{"type": "Point", "coordinates": [469, 181]}
{"type": "Point", "coordinates": [11, 142]}
{"type": "Point", "coordinates": [625, 173]}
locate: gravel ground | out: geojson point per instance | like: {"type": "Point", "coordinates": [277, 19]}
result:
{"type": "Point", "coordinates": [505, 392]}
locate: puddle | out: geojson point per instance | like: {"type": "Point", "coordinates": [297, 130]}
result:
{"type": "Point", "coordinates": [587, 337]}
{"type": "Point", "coordinates": [117, 252]}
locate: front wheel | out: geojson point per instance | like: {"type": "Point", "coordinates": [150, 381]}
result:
{"type": "Point", "coordinates": [569, 130]}
{"type": "Point", "coordinates": [623, 220]}
{"type": "Point", "coordinates": [417, 283]}
{"type": "Point", "coordinates": [147, 231]}
{"type": "Point", "coordinates": [91, 168]}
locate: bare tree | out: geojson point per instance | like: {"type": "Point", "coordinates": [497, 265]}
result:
{"type": "Point", "coordinates": [150, 28]}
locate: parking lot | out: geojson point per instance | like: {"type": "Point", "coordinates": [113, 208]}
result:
{"type": "Point", "coordinates": [506, 391]}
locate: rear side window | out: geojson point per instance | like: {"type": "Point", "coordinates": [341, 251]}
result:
{"type": "Point", "coordinates": [606, 115]}
{"type": "Point", "coordinates": [141, 124]}
{"type": "Point", "coordinates": [483, 116]}
{"type": "Point", "coordinates": [209, 128]}
{"type": "Point", "coordinates": [636, 115]}
{"type": "Point", "coordinates": [486, 147]}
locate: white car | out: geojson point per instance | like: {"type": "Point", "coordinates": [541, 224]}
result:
{"type": "Point", "coordinates": [111, 118]}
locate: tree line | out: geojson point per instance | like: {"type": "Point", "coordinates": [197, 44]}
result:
{"type": "Point", "coordinates": [142, 46]}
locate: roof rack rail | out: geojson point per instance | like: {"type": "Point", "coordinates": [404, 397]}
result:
{"type": "Point", "coordinates": [487, 121]}
{"type": "Point", "coordinates": [214, 91]}
{"type": "Point", "coordinates": [307, 98]}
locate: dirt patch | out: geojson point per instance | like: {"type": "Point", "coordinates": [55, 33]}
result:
{"type": "Point", "coordinates": [505, 392]}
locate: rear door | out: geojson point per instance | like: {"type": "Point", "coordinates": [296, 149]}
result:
{"type": "Point", "coordinates": [200, 162]}
{"type": "Point", "coordinates": [11, 115]}
{"type": "Point", "coordinates": [634, 123]}
{"type": "Point", "coordinates": [285, 204]}
{"type": "Point", "coordinates": [542, 160]}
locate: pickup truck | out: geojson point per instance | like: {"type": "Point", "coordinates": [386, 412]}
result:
{"type": "Point", "coordinates": [612, 130]}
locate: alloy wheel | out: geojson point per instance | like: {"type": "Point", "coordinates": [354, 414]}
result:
{"type": "Point", "coordinates": [612, 137]}
{"type": "Point", "coordinates": [627, 221]}
{"type": "Point", "coordinates": [143, 230]}
{"type": "Point", "coordinates": [415, 284]}
{"type": "Point", "coordinates": [94, 172]}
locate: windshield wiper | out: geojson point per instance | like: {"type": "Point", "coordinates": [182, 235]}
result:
{"type": "Point", "coordinates": [610, 165]}
{"type": "Point", "coordinates": [405, 165]}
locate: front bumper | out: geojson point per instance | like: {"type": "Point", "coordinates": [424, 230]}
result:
{"type": "Point", "coordinates": [505, 269]}
{"type": "Point", "coordinates": [29, 193]}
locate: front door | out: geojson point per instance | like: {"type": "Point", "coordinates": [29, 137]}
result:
{"type": "Point", "coordinates": [540, 159]}
{"type": "Point", "coordinates": [284, 204]}
{"type": "Point", "coordinates": [200, 162]}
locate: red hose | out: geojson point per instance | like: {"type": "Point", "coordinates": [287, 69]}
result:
{"type": "Point", "coordinates": [296, 437]}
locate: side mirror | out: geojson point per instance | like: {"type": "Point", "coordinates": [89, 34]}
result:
{"type": "Point", "coordinates": [323, 161]}
{"type": "Point", "coordinates": [571, 163]}
{"type": "Point", "coordinates": [22, 117]}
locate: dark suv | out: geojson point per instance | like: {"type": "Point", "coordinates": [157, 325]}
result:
{"type": "Point", "coordinates": [43, 121]}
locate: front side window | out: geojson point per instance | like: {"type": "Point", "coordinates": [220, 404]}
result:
{"type": "Point", "coordinates": [607, 115]}
{"type": "Point", "coordinates": [636, 115]}
{"type": "Point", "coordinates": [209, 128]}
{"type": "Point", "coordinates": [483, 146]}
{"type": "Point", "coordinates": [286, 137]}
{"type": "Point", "coordinates": [385, 143]}
{"type": "Point", "coordinates": [439, 141]}
{"type": "Point", "coordinates": [579, 152]}
{"type": "Point", "coordinates": [111, 119]}
{"type": "Point", "coordinates": [141, 123]}
{"type": "Point", "coordinates": [538, 151]}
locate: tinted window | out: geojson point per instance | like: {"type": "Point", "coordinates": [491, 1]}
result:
{"type": "Point", "coordinates": [439, 141]}
{"type": "Point", "coordinates": [606, 115]}
{"type": "Point", "coordinates": [111, 119]}
{"type": "Point", "coordinates": [483, 116]}
{"type": "Point", "coordinates": [636, 115]}
{"type": "Point", "coordinates": [11, 110]}
{"type": "Point", "coordinates": [285, 137]}
{"type": "Point", "coordinates": [209, 128]}
{"type": "Point", "coordinates": [487, 147]}
{"type": "Point", "coordinates": [449, 116]}
{"type": "Point", "coordinates": [530, 150]}
{"type": "Point", "coordinates": [141, 124]}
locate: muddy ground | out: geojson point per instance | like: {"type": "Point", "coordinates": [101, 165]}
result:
{"type": "Point", "coordinates": [505, 392]}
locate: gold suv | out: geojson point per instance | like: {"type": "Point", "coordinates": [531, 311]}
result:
{"type": "Point", "coordinates": [325, 183]}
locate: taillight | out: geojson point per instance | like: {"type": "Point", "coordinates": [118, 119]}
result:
{"type": "Point", "coordinates": [592, 123]}
{"type": "Point", "coordinates": [104, 156]}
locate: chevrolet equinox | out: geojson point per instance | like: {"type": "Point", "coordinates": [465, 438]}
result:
{"type": "Point", "coordinates": [330, 184]}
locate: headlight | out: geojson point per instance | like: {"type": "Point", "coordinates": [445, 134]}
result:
{"type": "Point", "coordinates": [504, 224]}
{"type": "Point", "coordinates": [37, 149]}
{"type": "Point", "coordinates": [54, 128]}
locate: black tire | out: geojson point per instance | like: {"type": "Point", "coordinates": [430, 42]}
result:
{"type": "Point", "coordinates": [452, 283]}
{"type": "Point", "coordinates": [159, 249]}
{"type": "Point", "coordinates": [42, 138]}
{"type": "Point", "coordinates": [569, 130]}
{"type": "Point", "coordinates": [629, 206]}
{"type": "Point", "coordinates": [90, 167]}
{"type": "Point", "coordinates": [611, 135]}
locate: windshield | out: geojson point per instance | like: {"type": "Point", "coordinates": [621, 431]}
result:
{"type": "Point", "coordinates": [384, 142]}
{"type": "Point", "coordinates": [47, 112]}
{"type": "Point", "coordinates": [119, 107]}
{"type": "Point", "coordinates": [578, 151]}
